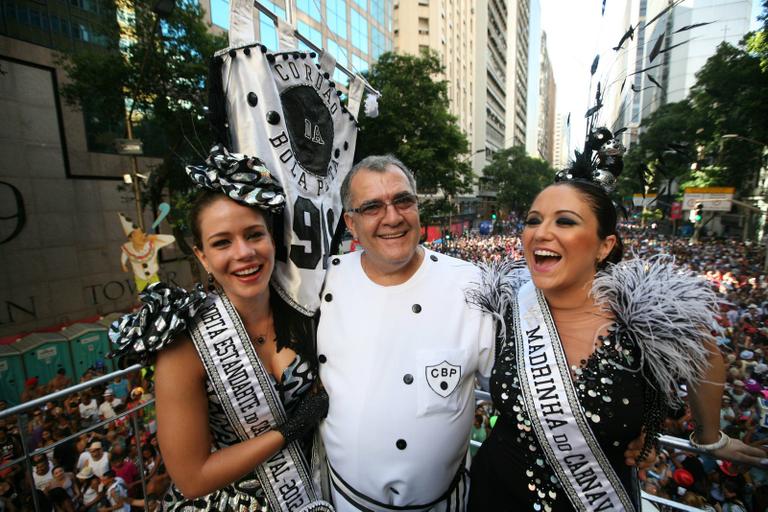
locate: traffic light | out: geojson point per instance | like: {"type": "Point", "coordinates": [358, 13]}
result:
{"type": "Point", "coordinates": [698, 212]}
{"type": "Point", "coordinates": [493, 214]}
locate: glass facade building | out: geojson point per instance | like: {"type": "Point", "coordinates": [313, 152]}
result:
{"type": "Point", "coordinates": [356, 32]}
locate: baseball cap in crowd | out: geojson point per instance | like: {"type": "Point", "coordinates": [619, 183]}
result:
{"type": "Point", "coordinates": [747, 354]}
{"type": "Point", "coordinates": [727, 467]}
{"type": "Point", "coordinates": [738, 383]}
{"type": "Point", "coordinates": [753, 386]}
{"type": "Point", "coordinates": [85, 474]}
{"type": "Point", "coordinates": [760, 368]}
{"type": "Point", "coordinates": [108, 392]}
{"type": "Point", "coordinates": [683, 478]}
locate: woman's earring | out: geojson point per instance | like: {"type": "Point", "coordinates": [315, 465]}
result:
{"type": "Point", "coordinates": [211, 282]}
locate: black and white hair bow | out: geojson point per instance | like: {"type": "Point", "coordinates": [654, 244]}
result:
{"type": "Point", "coordinates": [242, 178]}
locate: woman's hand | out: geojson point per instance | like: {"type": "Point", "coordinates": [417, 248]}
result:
{"type": "Point", "coordinates": [633, 451]}
{"type": "Point", "coordinates": [310, 411]}
{"type": "Point", "coordinates": [739, 453]}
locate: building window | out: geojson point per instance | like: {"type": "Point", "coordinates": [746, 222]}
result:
{"type": "Point", "coordinates": [363, 4]}
{"type": "Point", "coordinates": [274, 8]}
{"type": "Point", "coordinates": [341, 58]}
{"type": "Point", "coordinates": [336, 17]}
{"type": "Point", "coordinates": [359, 31]}
{"type": "Point", "coordinates": [267, 32]}
{"type": "Point", "coordinates": [310, 33]}
{"type": "Point", "coordinates": [359, 64]}
{"type": "Point", "coordinates": [311, 7]}
{"type": "Point", "coordinates": [424, 26]}
{"type": "Point", "coordinates": [220, 13]}
{"type": "Point", "coordinates": [378, 43]}
{"type": "Point", "coordinates": [380, 13]}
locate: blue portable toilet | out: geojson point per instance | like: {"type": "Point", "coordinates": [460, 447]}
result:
{"type": "Point", "coordinates": [43, 354]}
{"type": "Point", "coordinates": [11, 375]}
{"type": "Point", "coordinates": [88, 344]}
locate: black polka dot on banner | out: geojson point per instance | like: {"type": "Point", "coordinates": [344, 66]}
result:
{"type": "Point", "coordinates": [335, 261]}
{"type": "Point", "coordinates": [322, 358]}
{"type": "Point", "coordinates": [433, 257]}
{"type": "Point", "coordinates": [247, 51]}
{"type": "Point", "coordinates": [326, 76]}
{"type": "Point", "coordinates": [303, 55]}
{"type": "Point", "coordinates": [408, 378]}
{"type": "Point", "coordinates": [332, 84]}
{"type": "Point", "coordinates": [416, 308]}
{"type": "Point", "coordinates": [346, 145]}
{"type": "Point", "coordinates": [328, 297]}
{"type": "Point", "coordinates": [263, 48]}
{"type": "Point", "coordinates": [336, 152]}
{"type": "Point", "coordinates": [338, 93]}
{"type": "Point", "coordinates": [271, 58]}
{"type": "Point", "coordinates": [232, 53]}
{"type": "Point", "coordinates": [273, 117]}
{"type": "Point", "coordinates": [253, 100]}
{"type": "Point", "coordinates": [401, 444]}
{"type": "Point", "coordinates": [312, 54]}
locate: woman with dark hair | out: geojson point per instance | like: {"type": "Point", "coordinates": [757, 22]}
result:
{"type": "Point", "coordinates": [590, 351]}
{"type": "Point", "coordinates": [235, 367]}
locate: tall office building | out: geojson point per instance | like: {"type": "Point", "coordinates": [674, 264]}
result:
{"type": "Point", "coordinates": [356, 32]}
{"type": "Point", "coordinates": [479, 45]}
{"type": "Point", "coordinates": [546, 109]}
{"type": "Point", "coordinates": [484, 47]}
{"type": "Point", "coordinates": [684, 53]}
{"type": "Point", "coordinates": [561, 142]}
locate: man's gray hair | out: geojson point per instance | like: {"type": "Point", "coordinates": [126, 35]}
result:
{"type": "Point", "coordinates": [375, 163]}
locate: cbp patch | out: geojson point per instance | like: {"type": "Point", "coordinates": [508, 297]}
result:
{"type": "Point", "coordinates": [443, 378]}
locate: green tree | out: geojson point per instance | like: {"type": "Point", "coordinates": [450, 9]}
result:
{"type": "Point", "coordinates": [664, 152]}
{"type": "Point", "coordinates": [729, 97]}
{"type": "Point", "coordinates": [517, 177]}
{"type": "Point", "coordinates": [156, 70]}
{"type": "Point", "coordinates": [414, 123]}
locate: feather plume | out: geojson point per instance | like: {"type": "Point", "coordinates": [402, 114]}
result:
{"type": "Point", "coordinates": [669, 312]}
{"type": "Point", "coordinates": [654, 81]}
{"type": "Point", "coordinates": [691, 27]}
{"type": "Point", "coordinates": [662, 13]}
{"type": "Point", "coordinates": [657, 47]}
{"type": "Point", "coordinates": [629, 34]}
{"type": "Point", "coordinates": [595, 62]}
{"type": "Point", "coordinates": [498, 286]}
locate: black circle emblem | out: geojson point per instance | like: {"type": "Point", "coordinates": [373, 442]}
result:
{"type": "Point", "coordinates": [310, 128]}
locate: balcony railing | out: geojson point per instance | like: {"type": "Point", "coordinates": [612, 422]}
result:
{"type": "Point", "coordinates": [19, 412]}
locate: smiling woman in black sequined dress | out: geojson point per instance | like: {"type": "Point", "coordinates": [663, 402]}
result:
{"type": "Point", "coordinates": [619, 362]}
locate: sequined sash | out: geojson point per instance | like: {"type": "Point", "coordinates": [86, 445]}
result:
{"type": "Point", "coordinates": [251, 403]}
{"type": "Point", "coordinates": [555, 412]}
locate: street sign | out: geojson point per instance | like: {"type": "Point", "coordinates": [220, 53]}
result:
{"type": "Point", "coordinates": [676, 211]}
{"type": "Point", "coordinates": [714, 199]}
{"type": "Point", "coordinates": [640, 200]}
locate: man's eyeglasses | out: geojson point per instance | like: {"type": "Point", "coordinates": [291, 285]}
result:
{"type": "Point", "coordinates": [402, 202]}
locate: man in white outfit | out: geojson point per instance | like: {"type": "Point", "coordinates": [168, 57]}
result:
{"type": "Point", "coordinates": [399, 348]}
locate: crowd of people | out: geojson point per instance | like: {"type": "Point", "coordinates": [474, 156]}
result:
{"type": "Point", "coordinates": [95, 470]}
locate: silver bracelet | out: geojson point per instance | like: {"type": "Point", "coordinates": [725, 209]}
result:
{"type": "Point", "coordinates": [720, 443]}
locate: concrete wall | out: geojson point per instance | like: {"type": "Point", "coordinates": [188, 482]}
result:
{"type": "Point", "coordinates": [64, 264]}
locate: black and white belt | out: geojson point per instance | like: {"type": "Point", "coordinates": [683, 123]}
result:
{"type": "Point", "coordinates": [454, 495]}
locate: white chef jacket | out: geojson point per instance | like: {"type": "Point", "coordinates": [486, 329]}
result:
{"type": "Point", "coordinates": [399, 364]}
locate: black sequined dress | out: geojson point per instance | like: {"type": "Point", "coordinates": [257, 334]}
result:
{"type": "Point", "coordinates": [510, 468]}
